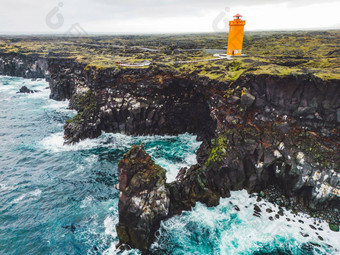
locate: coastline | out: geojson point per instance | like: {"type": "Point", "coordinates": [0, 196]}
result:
{"type": "Point", "coordinates": [257, 131]}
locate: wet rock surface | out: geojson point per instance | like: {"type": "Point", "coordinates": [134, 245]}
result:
{"type": "Point", "coordinates": [276, 196]}
{"type": "Point", "coordinates": [143, 198]}
{"type": "Point", "coordinates": [24, 89]}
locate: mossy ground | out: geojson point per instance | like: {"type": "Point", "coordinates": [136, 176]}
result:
{"type": "Point", "coordinates": [219, 149]}
{"type": "Point", "coordinates": [279, 53]}
{"type": "Point", "coordinates": [139, 162]}
{"type": "Point", "coordinates": [86, 106]}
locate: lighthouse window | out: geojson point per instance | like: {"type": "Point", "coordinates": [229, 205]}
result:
{"type": "Point", "coordinates": [231, 29]}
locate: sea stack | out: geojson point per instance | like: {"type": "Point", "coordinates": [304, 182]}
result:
{"type": "Point", "coordinates": [143, 199]}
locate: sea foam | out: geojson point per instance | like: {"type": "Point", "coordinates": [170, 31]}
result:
{"type": "Point", "coordinates": [225, 230]}
{"type": "Point", "coordinates": [30, 195]}
{"type": "Point", "coordinates": [185, 143]}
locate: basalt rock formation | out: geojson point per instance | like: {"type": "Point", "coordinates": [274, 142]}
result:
{"type": "Point", "coordinates": [140, 102]}
{"type": "Point", "coordinates": [143, 198]}
{"type": "Point", "coordinates": [24, 89]}
{"type": "Point", "coordinates": [27, 66]}
{"type": "Point", "coordinates": [257, 131]}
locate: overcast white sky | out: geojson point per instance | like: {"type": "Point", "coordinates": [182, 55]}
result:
{"type": "Point", "coordinates": [163, 16]}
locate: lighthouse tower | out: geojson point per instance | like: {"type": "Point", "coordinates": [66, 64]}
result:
{"type": "Point", "coordinates": [235, 39]}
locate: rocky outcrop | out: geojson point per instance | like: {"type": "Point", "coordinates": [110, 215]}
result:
{"type": "Point", "coordinates": [263, 140]}
{"type": "Point", "coordinates": [27, 66]}
{"type": "Point", "coordinates": [63, 74]}
{"type": "Point", "coordinates": [67, 78]}
{"type": "Point", "coordinates": [142, 102]}
{"type": "Point", "coordinates": [309, 99]}
{"type": "Point", "coordinates": [24, 89]}
{"type": "Point", "coordinates": [160, 101]}
{"type": "Point", "coordinates": [143, 198]}
{"type": "Point", "coordinates": [255, 157]}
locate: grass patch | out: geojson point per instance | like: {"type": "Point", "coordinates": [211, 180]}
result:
{"type": "Point", "coordinates": [280, 53]}
{"type": "Point", "coordinates": [86, 106]}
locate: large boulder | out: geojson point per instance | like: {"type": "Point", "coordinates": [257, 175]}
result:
{"type": "Point", "coordinates": [247, 99]}
{"type": "Point", "coordinates": [143, 198]}
{"type": "Point", "coordinates": [24, 89]}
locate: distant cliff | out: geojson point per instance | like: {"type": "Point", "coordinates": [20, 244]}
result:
{"type": "Point", "coordinates": [27, 66]}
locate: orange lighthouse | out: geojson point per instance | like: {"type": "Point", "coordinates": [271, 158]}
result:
{"type": "Point", "coordinates": [235, 39]}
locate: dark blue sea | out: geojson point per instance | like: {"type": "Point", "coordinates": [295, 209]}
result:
{"type": "Point", "coordinates": [57, 199]}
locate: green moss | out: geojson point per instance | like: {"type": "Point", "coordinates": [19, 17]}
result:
{"type": "Point", "coordinates": [86, 106]}
{"type": "Point", "coordinates": [219, 150]}
{"type": "Point", "coordinates": [235, 66]}
{"type": "Point", "coordinates": [159, 173]}
{"type": "Point", "coordinates": [273, 69]}
{"type": "Point", "coordinates": [275, 53]}
{"type": "Point", "coordinates": [334, 227]}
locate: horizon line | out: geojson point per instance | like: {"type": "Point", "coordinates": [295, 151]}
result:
{"type": "Point", "coordinates": [159, 33]}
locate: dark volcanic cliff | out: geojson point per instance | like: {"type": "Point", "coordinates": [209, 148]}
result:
{"type": "Point", "coordinates": [258, 131]}
{"type": "Point", "coordinates": [27, 66]}
{"type": "Point", "coordinates": [141, 102]}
